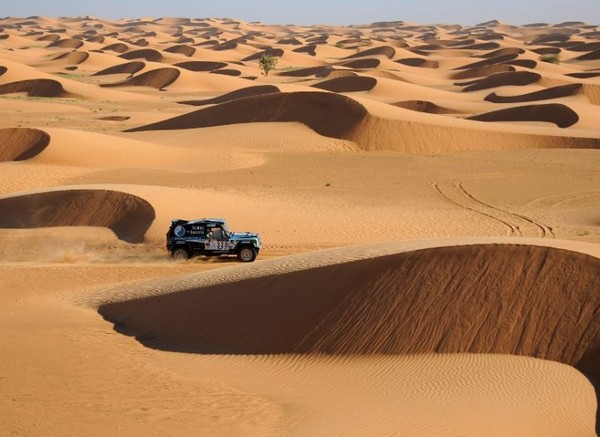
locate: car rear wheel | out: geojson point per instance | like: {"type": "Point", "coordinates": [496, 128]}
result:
{"type": "Point", "coordinates": [180, 253]}
{"type": "Point", "coordinates": [247, 254]}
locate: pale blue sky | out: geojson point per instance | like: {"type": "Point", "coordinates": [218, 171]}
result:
{"type": "Point", "coordinates": [320, 11]}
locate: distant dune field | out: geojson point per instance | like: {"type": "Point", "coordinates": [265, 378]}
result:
{"type": "Point", "coordinates": [427, 196]}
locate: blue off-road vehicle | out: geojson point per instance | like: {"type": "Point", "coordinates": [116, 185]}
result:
{"type": "Point", "coordinates": [210, 237]}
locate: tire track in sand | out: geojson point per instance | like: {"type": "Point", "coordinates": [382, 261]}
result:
{"type": "Point", "coordinates": [517, 225]}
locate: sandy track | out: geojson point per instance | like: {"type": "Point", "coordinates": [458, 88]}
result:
{"type": "Point", "coordinates": [516, 224]}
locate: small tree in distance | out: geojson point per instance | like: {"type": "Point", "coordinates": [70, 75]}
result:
{"type": "Point", "coordinates": [267, 63]}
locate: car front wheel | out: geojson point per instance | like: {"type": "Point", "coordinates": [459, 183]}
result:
{"type": "Point", "coordinates": [247, 254]}
{"type": "Point", "coordinates": [180, 253]}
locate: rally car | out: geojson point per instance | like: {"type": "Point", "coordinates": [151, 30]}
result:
{"type": "Point", "coordinates": [210, 237]}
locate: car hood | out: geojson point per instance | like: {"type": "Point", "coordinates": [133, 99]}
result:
{"type": "Point", "coordinates": [242, 235]}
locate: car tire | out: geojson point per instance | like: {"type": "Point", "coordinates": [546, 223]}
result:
{"type": "Point", "coordinates": [246, 254]}
{"type": "Point", "coordinates": [180, 253]}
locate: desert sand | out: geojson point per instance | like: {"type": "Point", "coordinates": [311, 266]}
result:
{"type": "Point", "coordinates": [427, 195]}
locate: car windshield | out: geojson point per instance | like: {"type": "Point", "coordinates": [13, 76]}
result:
{"type": "Point", "coordinates": [226, 228]}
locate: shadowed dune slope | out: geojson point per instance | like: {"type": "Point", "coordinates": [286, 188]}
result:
{"type": "Point", "coordinates": [128, 216]}
{"type": "Point", "coordinates": [508, 299]}
{"type": "Point", "coordinates": [73, 57]}
{"type": "Point", "coordinates": [147, 54]}
{"type": "Point", "coordinates": [347, 84]}
{"type": "Point", "coordinates": [489, 61]}
{"type": "Point", "coordinates": [584, 75]}
{"type": "Point", "coordinates": [518, 78]}
{"type": "Point", "coordinates": [305, 72]}
{"type": "Point", "coordinates": [550, 93]}
{"type": "Point", "coordinates": [35, 88]}
{"type": "Point", "coordinates": [362, 63]}
{"type": "Point", "coordinates": [483, 71]}
{"type": "Point", "coordinates": [159, 78]}
{"type": "Point", "coordinates": [418, 62]}
{"type": "Point", "coordinates": [560, 115]}
{"type": "Point", "coordinates": [182, 50]}
{"type": "Point", "coordinates": [269, 52]}
{"type": "Point", "coordinates": [117, 47]}
{"type": "Point", "coordinates": [201, 65]}
{"type": "Point", "coordinates": [257, 90]}
{"type": "Point", "coordinates": [591, 56]}
{"type": "Point", "coordinates": [19, 144]}
{"type": "Point", "coordinates": [67, 44]}
{"type": "Point", "coordinates": [386, 51]}
{"type": "Point", "coordinates": [126, 68]}
{"type": "Point", "coordinates": [328, 114]}
{"type": "Point", "coordinates": [425, 106]}
{"type": "Point", "coordinates": [227, 72]}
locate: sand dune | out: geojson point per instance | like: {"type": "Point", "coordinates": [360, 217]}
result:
{"type": "Point", "coordinates": [475, 279]}
{"type": "Point", "coordinates": [490, 61]}
{"type": "Point", "coordinates": [116, 47]}
{"type": "Point", "coordinates": [546, 94]}
{"type": "Point", "coordinates": [319, 111]}
{"type": "Point", "coordinates": [182, 49]}
{"type": "Point", "coordinates": [386, 306]}
{"type": "Point", "coordinates": [479, 72]}
{"type": "Point", "coordinates": [18, 144]}
{"type": "Point", "coordinates": [347, 84]}
{"type": "Point", "coordinates": [305, 72]}
{"type": "Point", "coordinates": [159, 78]}
{"type": "Point", "coordinates": [147, 54]}
{"type": "Point", "coordinates": [322, 112]}
{"type": "Point", "coordinates": [270, 52]}
{"type": "Point", "coordinates": [35, 88]}
{"type": "Point", "coordinates": [518, 78]}
{"type": "Point", "coordinates": [388, 52]}
{"type": "Point", "coordinates": [366, 63]}
{"type": "Point", "coordinates": [560, 115]}
{"type": "Point", "coordinates": [74, 57]}
{"type": "Point", "coordinates": [127, 68]}
{"type": "Point", "coordinates": [424, 106]}
{"type": "Point", "coordinates": [418, 62]}
{"type": "Point", "coordinates": [234, 95]}
{"type": "Point", "coordinates": [127, 216]}
{"type": "Point", "coordinates": [592, 56]}
{"type": "Point", "coordinates": [67, 44]}
{"type": "Point", "coordinates": [201, 65]}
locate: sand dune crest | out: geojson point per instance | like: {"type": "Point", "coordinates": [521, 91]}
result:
{"type": "Point", "coordinates": [127, 68]}
{"type": "Point", "coordinates": [322, 112]}
{"type": "Point", "coordinates": [435, 300]}
{"type": "Point", "coordinates": [159, 78]}
{"type": "Point", "coordinates": [560, 115]}
{"type": "Point", "coordinates": [35, 88]}
{"type": "Point", "coordinates": [128, 216]}
{"type": "Point", "coordinates": [234, 95]}
{"type": "Point", "coordinates": [18, 144]}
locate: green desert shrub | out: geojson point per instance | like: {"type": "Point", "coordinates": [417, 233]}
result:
{"type": "Point", "coordinates": [267, 63]}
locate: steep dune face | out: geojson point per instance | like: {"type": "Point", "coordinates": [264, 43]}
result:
{"type": "Point", "coordinates": [338, 116]}
{"type": "Point", "coordinates": [545, 94]}
{"type": "Point", "coordinates": [128, 216]}
{"type": "Point", "coordinates": [35, 88]}
{"type": "Point", "coordinates": [328, 114]}
{"type": "Point", "coordinates": [234, 95]}
{"type": "Point", "coordinates": [19, 144]}
{"type": "Point", "coordinates": [159, 78]}
{"type": "Point", "coordinates": [521, 300]}
{"type": "Point", "coordinates": [560, 115]}
{"type": "Point", "coordinates": [347, 84]}
{"type": "Point", "coordinates": [516, 78]}
{"type": "Point", "coordinates": [127, 68]}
